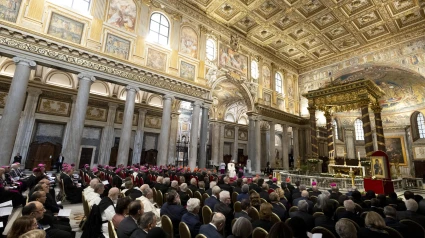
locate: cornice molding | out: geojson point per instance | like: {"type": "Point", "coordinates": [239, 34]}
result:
{"type": "Point", "coordinates": [33, 44]}
{"type": "Point", "coordinates": [280, 115]}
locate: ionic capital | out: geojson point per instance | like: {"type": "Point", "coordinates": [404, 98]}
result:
{"type": "Point", "coordinates": [34, 91]}
{"type": "Point", "coordinates": [86, 76]}
{"type": "Point", "coordinates": [112, 105]}
{"type": "Point", "coordinates": [142, 111]}
{"type": "Point", "coordinates": [167, 97]}
{"type": "Point", "coordinates": [196, 104]}
{"type": "Point", "coordinates": [132, 88]}
{"type": "Point", "coordinates": [23, 61]}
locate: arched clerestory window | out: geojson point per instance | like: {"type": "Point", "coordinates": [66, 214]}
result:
{"type": "Point", "coordinates": [417, 121]}
{"type": "Point", "coordinates": [358, 127]}
{"type": "Point", "coordinates": [159, 29]}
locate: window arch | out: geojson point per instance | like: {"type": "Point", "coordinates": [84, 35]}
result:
{"type": "Point", "coordinates": [159, 29]}
{"type": "Point", "coordinates": [278, 82]}
{"type": "Point", "coordinates": [211, 49]}
{"type": "Point", "coordinates": [417, 122]}
{"type": "Point", "coordinates": [335, 128]}
{"type": "Point", "coordinates": [358, 126]}
{"type": "Point", "coordinates": [80, 5]}
{"type": "Point", "coordinates": [254, 69]}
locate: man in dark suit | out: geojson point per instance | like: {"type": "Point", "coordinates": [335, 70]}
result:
{"type": "Point", "coordinates": [296, 193]}
{"type": "Point", "coordinates": [224, 207]}
{"type": "Point", "coordinates": [213, 200]}
{"type": "Point", "coordinates": [17, 158]}
{"type": "Point", "coordinates": [374, 207]}
{"type": "Point", "coordinates": [304, 196]}
{"type": "Point", "coordinates": [129, 225]}
{"type": "Point", "coordinates": [264, 194]}
{"type": "Point", "coordinates": [147, 222]}
{"type": "Point", "coordinates": [209, 190]}
{"type": "Point", "coordinates": [238, 187]}
{"type": "Point", "coordinates": [254, 185]}
{"type": "Point", "coordinates": [213, 229]}
{"type": "Point", "coordinates": [226, 186]}
{"type": "Point", "coordinates": [191, 218]}
{"type": "Point", "coordinates": [173, 210]}
{"type": "Point", "coordinates": [278, 209]}
{"type": "Point", "coordinates": [410, 213]}
{"type": "Point", "coordinates": [201, 185]}
{"type": "Point", "coordinates": [193, 185]}
{"type": "Point", "coordinates": [59, 163]}
{"type": "Point", "coordinates": [245, 205]}
{"type": "Point", "coordinates": [315, 191]}
{"type": "Point", "coordinates": [303, 213]}
{"type": "Point", "coordinates": [391, 221]}
{"type": "Point", "coordinates": [350, 213]}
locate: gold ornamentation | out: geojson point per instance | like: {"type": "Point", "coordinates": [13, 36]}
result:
{"type": "Point", "coordinates": [96, 114]}
{"type": "Point", "coordinates": [49, 106]}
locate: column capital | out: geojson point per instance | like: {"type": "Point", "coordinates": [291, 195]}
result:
{"type": "Point", "coordinates": [236, 127]}
{"type": "Point", "coordinates": [132, 88]}
{"type": "Point", "coordinates": [23, 61]}
{"type": "Point", "coordinates": [167, 97]}
{"type": "Point", "coordinates": [376, 108]}
{"type": "Point", "coordinates": [112, 105]}
{"type": "Point", "coordinates": [86, 76]}
{"type": "Point", "coordinates": [34, 91]}
{"type": "Point", "coordinates": [311, 109]}
{"type": "Point", "coordinates": [206, 106]}
{"type": "Point", "coordinates": [196, 104]}
{"type": "Point", "coordinates": [328, 114]}
{"type": "Point", "coordinates": [143, 111]}
{"type": "Point", "coordinates": [272, 123]}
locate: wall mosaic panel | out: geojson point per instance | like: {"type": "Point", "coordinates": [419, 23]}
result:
{"type": "Point", "coordinates": [65, 28]}
{"type": "Point", "coordinates": [189, 42]}
{"type": "Point", "coordinates": [96, 113]}
{"type": "Point", "coordinates": [117, 46]}
{"type": "Point", "coordinates": [122, 14]}
{"type": "Point", "coordinates": [156, 60]}
{"type": "Point", "coordinates": [229, 133]}
{"type": "Point", "coordinates": [119, 117]}
{"type": "Point", "coordinates": [233, 60]}
{"type": "Point", "coordinates": [9, 10]}
{"type": "Point", "coordinates": [53, 107]}
{"type": "Point", "coordinates": [187, 71]}
{"type": "Point", "coordinates": [419, 152]}
{"type": "Point", "coordinates": [266, 77]}
{"type": "Point", "coordinates": [153, 122]}
{"type": "Point", "coordinates": [243, 135]}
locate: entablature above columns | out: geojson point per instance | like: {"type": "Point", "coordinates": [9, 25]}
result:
{"type": "Point", "coordinates": [279, 117]}
{"type": "Point", "coordinates": [49, 53]}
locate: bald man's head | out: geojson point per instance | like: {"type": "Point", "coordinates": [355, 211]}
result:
{"type": "Point", "coordinates": [219, 220]}
{"type": "Point", "coordinates": [113, 194]}
{"type": "Point", "coordinates": [93, 182]}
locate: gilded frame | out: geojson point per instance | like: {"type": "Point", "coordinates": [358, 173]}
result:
{"type": "Point", "coordinates": [395, 147]}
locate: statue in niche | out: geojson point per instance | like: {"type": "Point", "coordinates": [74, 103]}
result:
{"type": "Point", "coordinates": [234, 43]}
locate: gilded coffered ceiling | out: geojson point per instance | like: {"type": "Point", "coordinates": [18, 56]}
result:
{"type": "Point", "coordinates": [309, 31]}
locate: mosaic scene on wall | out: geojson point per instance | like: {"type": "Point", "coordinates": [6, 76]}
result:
{"type": "Point", "coordinates": [9, 9]}
{"type": "Point", "coordinates": [233, 60]}
{"type": "Point", "coordinates": [156, 60]}
{"type": "Point", "coordinates": [122, 14]}
{"type": "Point", "coordinates": [117, 46]}
{"type": "Point", "coordinates": [65, 28]}
{"type": "Point", "coordinates": [266, 77]}
{"type": "Point", "coordinates": [189, 42]}
{"type": "Point", "coordinates": [187, 71]}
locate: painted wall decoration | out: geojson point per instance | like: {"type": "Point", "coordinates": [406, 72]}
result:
{"type": "Point", "coordinates": [187, 71]}
{"type": "Point", "coordinates": [96, 113]}
{"type": "Point", "coordinates": [290, 88]}
{"type": "Point", "coordinates": [233, 60]}
{"type": "Point", "coordinates": [153, 122]}
{"type": "Point", "coordinates": [419, 152]}
{"type": "Point", "coordinates": [122, 14]}
{"type": "Point", "coordinates": [378, 165]}
{"type": "Point", "coordinates": [189, 42]}
{"type": "Point", "coordinates": [66, 28]}
{"type": "Point", "coordinates": [266, 77]}
{"type": "Point", "coordinates": [9, 10]}
{"type": "Point", "coordinates": [395, 149]}
{"type": "Point", "coordinates": [156, 60]}
{"type": "Point", "coordinates": [117, 46]}
{"type": "Point", "coordinates": [267, 98]}
{"type": "Point", "coordinates": [53, 107]}
{"type": "Point", "coordinates": [120, 115]}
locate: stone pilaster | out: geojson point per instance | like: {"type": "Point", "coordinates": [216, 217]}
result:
{"type": "Point", "coordinates": [138, 139]}
{"type": "Point", "coordinates": [296, 153]}
{"type": "Point", "coordinates": [257, 146]}
{"type": "Point", "coordinates": [236, 145]}
{"type": "Point", "coordinates": [72, 148]}
{"type": "Point", "coordinates": [9, 123]}
{"type": "Point", "coordinates": [164, 136]}
{"type": "Point", "coordinates": [26, 125]}
{"type": "Point", "coordinates": [173, 138]}
{"type": "Point", "coordinates": [285, 146]}
{"type": "Point", "coordinates": [272, 144]}
{"type": "Point", "coordinates": [203, 137]}
{"type": "Point", "coordinates": [215, 141]}
{"type": "Point", "coordinates": [107, 139]}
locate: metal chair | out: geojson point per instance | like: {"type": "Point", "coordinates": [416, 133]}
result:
{"type": "Point", "coordinates": [393, 232]}
{"type": "Point", "coordinates": [234, 197]}
{"type": "Point", "coordinates": [198, 195]}
{"type": "Point", "coordinates": [414, 228]}
{"type": "Point", "coordinates": [111, 230]}
{"type": "Point", "coordinates": [237, 207]}
{"type": "Point", "coordinates": [313, 199]}
{"type": "Point", "coordinates": [167, 225]}
{"type": "Point", "coordinates": [189, 193]}
{"type": "Point", "coordinates": [263, 200]}
{"type": "Point", "coordinates": [275, 218]}
{"type": "Point", "coordinates": [293, 209]}
{"type": "Point", "coordinates": [204, 197]}
{"type": "Point", "coordinates": [159, 199]}
{"type": "Point", "coordinates": [206, 214]}
{"type": "Point", "coordinates": [318, 214]}
{"type": "Point", "coordinates": [325, 232]}
{"type": "Point", "coordinates": [259, 233]}
{"type": "Point", "coordinates": [184, 230]}
{"type": "Point", "coordinates": [253, 213]}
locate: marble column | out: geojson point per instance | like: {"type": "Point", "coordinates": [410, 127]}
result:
{"type": "Point", "coordinates": [350, 143]}
{"type": "Point", "coordinates": [9, 123]}
{"type": "Point", "coordinates": [367, 129]}
{"type": "Point", "coordinates": [251, 140]}
{"type": "Point", "coordinates": [235, 145]}
{"type": "Point", "coordinates": [26, 124]}
{"type": "Point", "coordinates": [379, 129]}
{"type": "Point", "coordinates": [194, 132]}
{"type": "Point", "coordinates": [107, 139]}
{"type": "Point", "coordinates": [68, 128]}
{"type": "Point", "coordinates": [221, 144]}
{"type": "Point", "coordinates": [173, 138]}
{"type": "Point", "coordinates": [272, 144]}
{"type": "Point", "coordinates": [285, 146]}
{"type": "Point", "coordinates": [258, 146]}
{"type": "Point", "coordinates": [164, 136]}
{"type": "Point", "coordinates": [127, 124]}
{"type": "Point", "coordinates": [296, 152]}
{"type": "Point", "coordinates": [329, 131]}
{"type": "Point", "coordinates": [71, 149]}
{"type": "Point", "coordinates": [203, 137]}
{"type": "Point", "coordinates": [313, 132]}
{"type": "Point", "coordinates": [215, 130]}
{"type": "Point", "coordinates": [138, 139]}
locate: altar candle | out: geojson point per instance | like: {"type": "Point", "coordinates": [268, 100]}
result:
{"type": "Point", "coordinates": [358, 153]}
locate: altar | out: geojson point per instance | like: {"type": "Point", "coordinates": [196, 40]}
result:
{"type": "Point", "coordinates": [344, 169]}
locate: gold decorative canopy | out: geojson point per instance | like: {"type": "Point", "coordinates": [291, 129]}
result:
{"type": "Point", "coordinates": [345, 96]}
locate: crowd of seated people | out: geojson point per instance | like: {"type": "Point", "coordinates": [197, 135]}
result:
{"type": "Point", "coordinates": [135, 200]}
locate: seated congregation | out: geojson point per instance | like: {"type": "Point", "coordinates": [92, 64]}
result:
{"type": "Point", "coordinates": [148, 201]}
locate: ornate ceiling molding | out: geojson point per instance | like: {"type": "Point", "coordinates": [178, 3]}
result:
{"type": "Point", "coordinates": [34, 44]}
